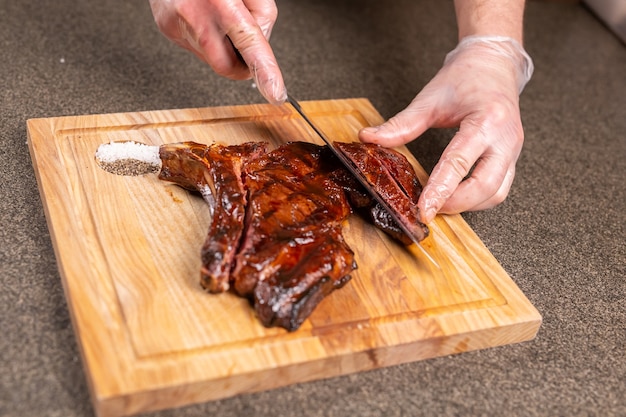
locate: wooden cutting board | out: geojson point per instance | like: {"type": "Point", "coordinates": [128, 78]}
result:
{"type": "Point", "coordinates": [150, 338]}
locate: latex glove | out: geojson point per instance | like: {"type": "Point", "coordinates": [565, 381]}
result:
{"type": "Point", "coordinates": [477, 90]}
{"type": "Point", "coordinates": [215, 30]}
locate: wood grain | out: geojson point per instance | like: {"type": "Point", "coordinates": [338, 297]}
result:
{"type": "Point", "coordinates": [150, 338]}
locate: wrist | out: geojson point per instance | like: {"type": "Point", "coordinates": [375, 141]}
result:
{"type": "Point", "coordinates": [490, 17]}
{"type": "Point", "coordinates": [503, 47]}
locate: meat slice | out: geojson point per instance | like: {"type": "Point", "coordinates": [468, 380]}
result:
{"type": "Point", "coordinates": [215, 171]}
{"type": "Point", "coordinates": [293, 253]}
{"type": "Point", "coordinates": [393, 177]}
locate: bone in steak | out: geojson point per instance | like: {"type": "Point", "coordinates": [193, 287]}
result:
{"type": "Point", "coordinates": [275, 235]}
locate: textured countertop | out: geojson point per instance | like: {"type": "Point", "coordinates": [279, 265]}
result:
{"type": "Point", "coordinates": [560, 234]}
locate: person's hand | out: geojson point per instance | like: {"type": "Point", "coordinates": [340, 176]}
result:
{"type": "Point", "coordinates": [477, 90]}
{"type": "Point", "coordinates": [223, 33]}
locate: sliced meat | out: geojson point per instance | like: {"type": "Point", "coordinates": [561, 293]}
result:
{"type": "Point", "coordinates": [214, 171]}
{"type": "Point", "coordinates": [393, 177]}
{"type": "Point", "coordinates": [293, 253]}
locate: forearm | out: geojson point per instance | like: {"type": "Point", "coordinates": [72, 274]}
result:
{"type": "Point", "coordinates": [490, 17]}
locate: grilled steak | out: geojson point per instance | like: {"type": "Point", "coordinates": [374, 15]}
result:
{"type": "Point", "coordinates": [275, 235]}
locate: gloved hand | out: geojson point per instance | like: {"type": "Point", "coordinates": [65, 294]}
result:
{"type": "Point", "coordinates": [215, 30]}
{"type": "Point", "coordinates": [477, 90]}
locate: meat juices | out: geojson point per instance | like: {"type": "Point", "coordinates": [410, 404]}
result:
{"type": "Point", "coordinates": [275, 235]}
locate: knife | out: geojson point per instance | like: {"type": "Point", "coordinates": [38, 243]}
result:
{"type": "Point", "coordinates": [361, 178]}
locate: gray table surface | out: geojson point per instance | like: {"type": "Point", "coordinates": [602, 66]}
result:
{"type": "Point", "coordinates": [560, 234]}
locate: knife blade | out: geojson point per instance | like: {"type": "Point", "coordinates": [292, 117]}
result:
{"type": "Point", "coordinates": [362, 179]}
